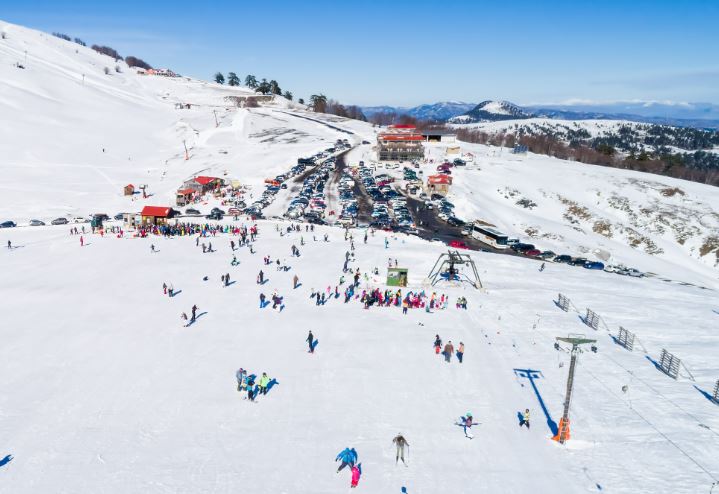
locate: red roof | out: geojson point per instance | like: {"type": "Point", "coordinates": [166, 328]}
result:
{"type": "Point", "coordinates": [401, 137]}
{"type": "Point", "coordinates": [205, 180]}
{"type": "Point", "coordinates": [439, 179]}
{"type": "Point", "coordinates": [156, 211]}
{"type": "Point", "coordinates": [403, 126]}
{"type": "Point", "coordinates": [130, 185]}
{"type": "Point", "coordinates": [185, 192]}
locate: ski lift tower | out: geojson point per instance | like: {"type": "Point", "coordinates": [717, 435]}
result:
{"type": "Point", "coordinates": [446, 269]}
{"type": "Point", "coordinates": [575, 340]}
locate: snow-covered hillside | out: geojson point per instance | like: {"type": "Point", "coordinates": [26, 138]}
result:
{"type": "Point", "coordinates": [104, 390]}
{"type": "Point", "coordinates": [491, 111]}
{"type": "Point", "coordinates": [73, 136]}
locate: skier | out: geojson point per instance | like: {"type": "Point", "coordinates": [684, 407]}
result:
{"type": "Point", "coordinates": [310, 340]}
{"type": "Point", "coordinates": [262, 300]}
{"type": "Point", "coordinates": [437, 344]}
{"type": "Point", "coordinates": [264, 381]}
{"type": "Point", "coordinates": [460, 352]}
{"type": "Point", "coordinates": [386, 243]}
{"type": "Point", "coordinates": [9, 244]}
{"type": "Point", "coordinates": [82, 241]}
{"type": "Point", "coordinates": [251, 388]}
{"type": "Point", "coordinates": [541, 268]}
{"type": "Point", "coordinates": [448, 351]}
{"type": "Point", "coordinates": [227, 279]}
{"type": "Point", "coordinates": [295, 281]}
{"type": "Point", "coordinates": [171, 290]}
{"type": "Point", "coordinates": [348, 457]}
{"type": "Point", "coordinates": [400, 442]}
{"type": "Point", "coordinates": [525, 419]}
{"type": "Point", "coordinates": [194, 313]}
{"type": "Point", "coordinates": [152, 248]}
{"type": "Point", "coordinates": [260, 277]}
{"type": "Point", "coordinates": [164, 288]}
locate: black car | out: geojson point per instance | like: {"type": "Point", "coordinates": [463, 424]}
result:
{"type": "Point", "coordinates": [578, 261]}
{"type": "Point", "coordinates": [520, 247]}
{"type": "Point", "coordinates": [8, 224]}
{"type": "Point", "coordinates": [564, 258]}
{"type": "Point", "coordinates": [192, 212]}
{"type": "Point", "coordinates": [118, 216]}
{"type": "Point", "coordinates": [59, 221]}
{"type": "Point", "coordinates": [455, 221]}
{"type": "Point", "coordinates": [214, 216]}
{"type": "Point", "coordinates": [217, 211]}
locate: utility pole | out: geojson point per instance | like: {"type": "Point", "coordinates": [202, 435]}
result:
{"type": "Point", "coordinates": [575, 341]}
{"type": "Point", "coordinates": [217, 124]}
{"type": "Point", "coordinates": [187, 156]}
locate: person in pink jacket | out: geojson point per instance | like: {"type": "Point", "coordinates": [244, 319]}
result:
{"type": "Point", "coordinates": [355, 476]}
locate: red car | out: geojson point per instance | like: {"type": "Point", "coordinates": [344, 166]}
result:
{"type": "Point", "coordinates": [458, 244]}
{"type": "Point", "coordinates": [532, 252]}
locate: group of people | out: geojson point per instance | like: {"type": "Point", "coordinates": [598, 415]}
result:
{"type": "Point", "coordinates": [253, 386]}
{"type": "Point", "coordinates": [448, 349]}
{"type": "Point", "coordinates": [348, 457]}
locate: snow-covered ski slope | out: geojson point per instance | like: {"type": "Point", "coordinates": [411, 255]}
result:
{"type": "Point", "coordinates": [104, 390]}
{"type": "Point", "coordinates": [70, 144]}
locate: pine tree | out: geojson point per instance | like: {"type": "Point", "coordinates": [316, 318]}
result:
{"type": "Point", "coordinates": [275, 87]}
{"type": "Point", "coordinates": [263, 87]}
{"type": "Point", "coordinates": [251, 81]}
{"type": "Point", "coordinates": [219, 78]}
{"type": "Point", "coordinates": [288, 95]}
{"type": "Point", "coordinates": [232, 79]}
{"type": "Point", "coordinates": [301, 101]}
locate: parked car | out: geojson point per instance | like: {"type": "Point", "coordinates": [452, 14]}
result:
{"type": "Point", "coordinates": [635, 273]}
{"type": "Point", "coordinates": [192, 212]}
{"type": "Point", "coordinates": [59, 221]}
{"type": "Point", "coordinates": [564, 258]}
{"type": "Point", "coordinates": [547, 255]}
{"type": "Point", "coordinates": [578, 261]}
{"type": "Point", "coordinates": [466, 231]}
{"type": "Point", "coordinates": [594, 265]}
{"type": "Point", "coordinates": [520, 247]}
{"type": "Point", "coordinates": [80, 219]}
{"type": "Point", "coordinates": [118, 216]}
{"type": "Point", "coordinates": [458, 244]}
{"type": "Point", "coordinates": [217, 211]}
{"type": "Point", "coordinates": [37, 223]}
{"type": "Point", "coordinates": [8, 224]}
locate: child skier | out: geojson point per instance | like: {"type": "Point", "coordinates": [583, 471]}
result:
{"type": "Point", "coordinates": [400, 442]}
{"type": "Point", "coordinates": [467, 422]}
{"type": "Point", "coordinates": [356, 472]}
{"type": "Point", "coordinates": [437, 344]}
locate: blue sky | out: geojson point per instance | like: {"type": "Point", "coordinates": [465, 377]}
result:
{"type": "Point", "coordinates": [412, 52]}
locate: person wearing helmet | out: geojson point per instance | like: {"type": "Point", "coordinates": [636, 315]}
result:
{"type": "Point", "coordinates": [400, 442]}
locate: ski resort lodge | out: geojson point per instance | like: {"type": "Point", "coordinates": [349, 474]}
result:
{"type": "Point", "coordinates": [400, 143]}
{"type": "Point", "coordinates": [439, 136]}
{"type": "Point", "coordinates": [156, 215]}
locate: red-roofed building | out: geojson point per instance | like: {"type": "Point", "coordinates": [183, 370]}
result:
{"type": "Point", "coordinates": [400, 142]}
{"type": "Point", "coordinates": [156, 215]}
{"type": "Point", "coordinates": [184, 196]}
{"type": "Point", "coordinates": [202, 184]}
{"type": "Point", "coordinates": [439, 184]}
{"type": "Point", "coordinates": [129, 190]}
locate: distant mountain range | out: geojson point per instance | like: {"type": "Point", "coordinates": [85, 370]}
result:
{"type": "Point", "coordinates": [441, 111]}
{"type": "Point", "coordinates": [699, 115]}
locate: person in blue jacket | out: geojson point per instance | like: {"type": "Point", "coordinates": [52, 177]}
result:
{"type": "Point", "coordinates": [348, 457]}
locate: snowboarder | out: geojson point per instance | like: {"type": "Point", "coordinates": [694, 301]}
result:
{"type": "Point", "coordinates": [525, 419]}
{"type": "Point", "coordinates": [437, 344]}
{"type": "Point", "coordinates": [310, 340]}
{"type": "Point", "coordinates": [460, 352]}
{"type": "Point", "coordinates": [152, 248]}
{"type": "Point", "coordinates": [251, 388]}
{"type": "Point", "coordinates": [171, 290]}
{"type": "Point", "coordinates": [295, 281]}
{"type": "Point", "coordinates": [227, 279]}
{"type": "Point", "coordinates": [261, 277]}
{"type": "Point", "coordinates": [400, 442]}
{"type": "Point", "coordinates": [164, 288]}
{"type": "Point", "coordinates": [194, 313]}
{"type": "Point", "coordinates": [541, 268]}
{"type": "Point", "coordinates": [262, 300]}
{"type": "Point", "coordinates": [448, 351]}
